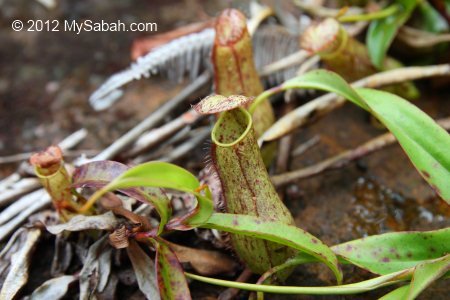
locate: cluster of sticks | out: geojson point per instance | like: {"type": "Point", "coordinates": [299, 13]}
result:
{"type": "Point", "coordinates": [25, 197]}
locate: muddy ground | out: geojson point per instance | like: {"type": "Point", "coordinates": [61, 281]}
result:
{"type": "Point", "coordinates": [47, 77]}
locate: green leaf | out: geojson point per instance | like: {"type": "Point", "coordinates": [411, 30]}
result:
{"type": "Point", "coordinates": [98, 174]}
{"type": "Point", "coordinates": [318, 79]}
{"type": "Point", "coordinates": [381, 32]}
{"type": "Point", "coordinates": [424, 141]}
{"type": "Point", "coordinates": [391, 252]}
{"type": "Point", "coordinates": [277, 232]}
{"type": "Point", "coordinates": [171, 280]}
{"type": "Point", "coordinates": [399, 293]}
{"type": "Point", "coordinates": [170, 175]}
{"type": "Point", "coordinates": [432, 19]}
{"type": "Point", "coordinates": [427, 272]}
{"type": "Point", "coordinates": [166, 175]}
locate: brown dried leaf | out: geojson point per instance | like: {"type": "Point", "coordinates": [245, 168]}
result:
{"type": "Point", "coordinates": [105, 221]}
{"type": "Point", "coordinates": [18, 273]}
{"type": "Point", "coordinates": [119, 238]}
{"type": "Point", "coordinates": [204, 262]}
{"type": "Point", "coordinates": [63, 256]}
{"type": "Point", "coordinates": [144, 270]}
{"type": "Point", "coordinates": [110, 290]}
{"type": "Point", "coordinates": [96, 270]}
{"type": "Point", "coordinates": [54, 288]}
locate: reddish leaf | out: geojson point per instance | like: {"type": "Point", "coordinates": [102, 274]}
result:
{"type": "Point", "coordinates": [171, 280]}
{"type": "Point", "coordinates": [100, 173]}
{"type": "Point", "coordinates": [97, 174]}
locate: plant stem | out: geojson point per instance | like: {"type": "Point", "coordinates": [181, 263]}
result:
{"type": "Point", "coordinates": [231, 293]}
{"type": "Point", "coordinates": [354, 288]}
{"type": "Point", "coordinates": [386, 12]}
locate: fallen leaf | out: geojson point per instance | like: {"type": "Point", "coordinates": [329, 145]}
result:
{"type": "Point", "coordinates": [63, 256]}
{"type": "Point", "coordinates": [204, 262]}
{"type": "Point", "coordinates": [110, 290]}
{"type": "Point", "coordinates": [18, 273]}
{"type": "Point", "coordinates": [105, 221]}
{"type": "Point", "coordinates": [96, 269]}
{"type": "Point", "coordinates": [144, 270]}
{"type": "Point", "coordinates": [54, 288]}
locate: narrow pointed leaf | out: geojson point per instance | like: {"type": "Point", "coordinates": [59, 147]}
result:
{"type": "Point", "coordinates": [277, 232]}
{"type": "Point", "coordinates": [381, 32]}
{"type": "Point", "coordinates": [97, 174]}
{"type": "Point", "coordinates": [55, 288]}
{"type": "Point", "coordinates": [145, 274]}
{"type": "Point", "coordinates": [424, 141]}
{"type": "Point", "coordinates": [106, 221]}
{"type": "Point", "coordinates": [433, 21]}
{"type": "Point", "coordinates": [391, 252]}
{"type": "Point", "coordinates": [171, 280]}
{"type": "Point", "coordinates": [319, 79]}
{"type": "Point", "coordinates": [426, 273]}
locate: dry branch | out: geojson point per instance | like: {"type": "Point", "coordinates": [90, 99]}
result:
{"type": "Point", "coordinates": [152, 119]}
{"type": "Point", "coordinates": [343, 158]}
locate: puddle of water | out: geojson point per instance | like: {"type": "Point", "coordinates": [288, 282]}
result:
{"type": "Point", "coordinates": [376, 209]}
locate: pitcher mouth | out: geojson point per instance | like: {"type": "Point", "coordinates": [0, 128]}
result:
{"type": "Point", "coordinates": [231, 127]}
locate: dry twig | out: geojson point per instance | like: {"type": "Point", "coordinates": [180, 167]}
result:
{"type": "Point", "coordinates": [158, 135]}
{"type": "Point", "coordinates": [419, 38]}
{"type": "Point", "coordinates": [343, 158]}
{"type": "Point", "coordinates": [152, 119]}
